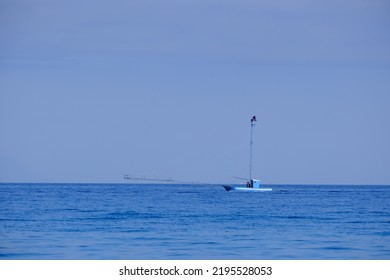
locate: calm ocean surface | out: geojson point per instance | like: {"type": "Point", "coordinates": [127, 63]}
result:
{"type": "Point", "coordinates": [122, 221]}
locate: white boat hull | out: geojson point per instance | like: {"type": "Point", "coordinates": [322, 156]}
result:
{"type": "Point", "coordinates": [246, 189]}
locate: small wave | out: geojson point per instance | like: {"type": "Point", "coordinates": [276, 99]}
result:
{"type": "Point", "coordinates": [309, 218]}
{"type": "Point", "coordinates": [382, 233]}
{"type": "Point", "coordinates": [338, 248]}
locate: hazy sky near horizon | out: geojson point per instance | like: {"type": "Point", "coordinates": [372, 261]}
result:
{"type": "Point", "coordinates": [93, 89]}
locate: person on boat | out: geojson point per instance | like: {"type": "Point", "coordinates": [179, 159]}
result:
{"type": "Point", "coordinates": [248, 185]}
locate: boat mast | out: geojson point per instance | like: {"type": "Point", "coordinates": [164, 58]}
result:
{"type": "Point", "coordinates": [253, 122]}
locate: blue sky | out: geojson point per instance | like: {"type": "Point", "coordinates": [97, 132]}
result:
{"type": "Point", "coordinates": [90, 90]}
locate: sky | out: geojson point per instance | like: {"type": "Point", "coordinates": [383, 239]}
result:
{"type": "Point", "coordinates": [91, 90]}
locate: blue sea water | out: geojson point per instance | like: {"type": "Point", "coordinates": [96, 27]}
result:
{"type": "Point", "coordinates": [128, 221]}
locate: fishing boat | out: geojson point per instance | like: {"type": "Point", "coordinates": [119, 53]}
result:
{"type": "Point", "coordinates": [253, 185]}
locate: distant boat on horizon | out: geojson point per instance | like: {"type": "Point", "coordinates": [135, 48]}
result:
{"type": "Point", "coordinates": [253, 185]}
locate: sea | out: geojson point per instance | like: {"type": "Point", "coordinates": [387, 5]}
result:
{"type": "Point", "coordinates": [193, 222]}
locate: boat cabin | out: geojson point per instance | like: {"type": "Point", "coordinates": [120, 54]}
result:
{"type": "Point", "coordinates": [255, 184]}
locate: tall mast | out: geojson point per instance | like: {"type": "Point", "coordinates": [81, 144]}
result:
{"type": "Point", "coordinates": [253, 122]}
